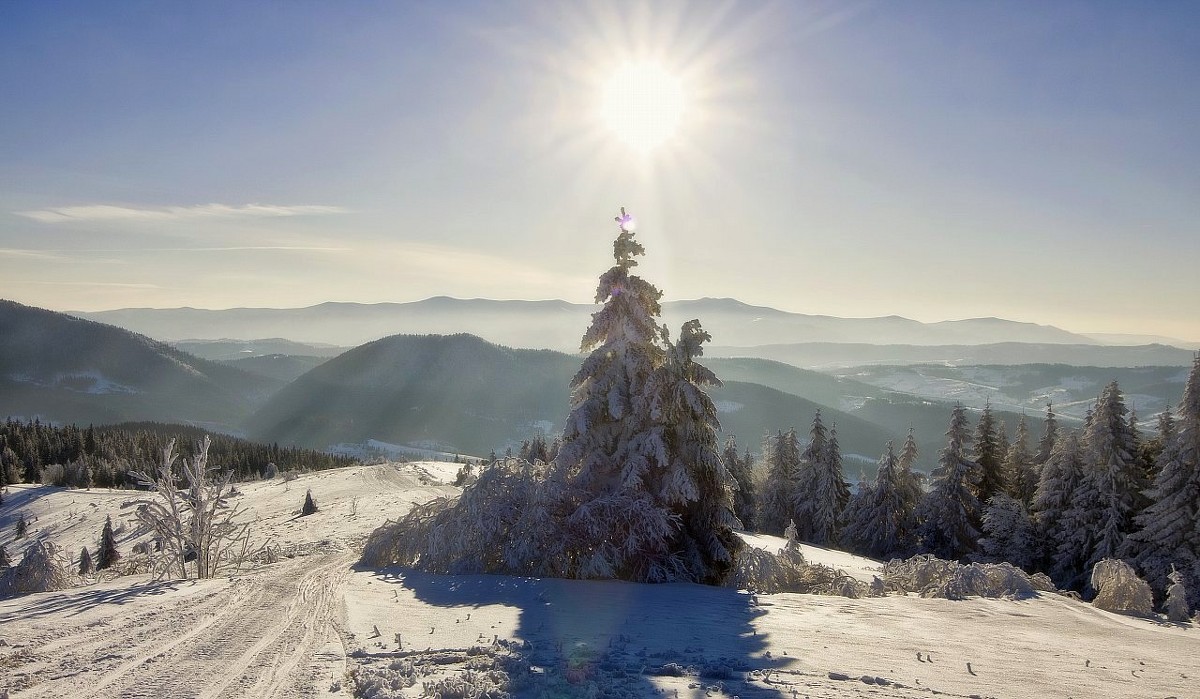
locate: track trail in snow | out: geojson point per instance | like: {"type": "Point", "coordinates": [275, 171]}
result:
{"type": "Point", "coordinates": [257, 635]}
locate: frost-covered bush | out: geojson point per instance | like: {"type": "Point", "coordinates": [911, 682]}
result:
{"type": "Point", "coordinates": [934, 577]}
{"type": "Point", "coordinates": [39, 571]}
{"type": "Point", "coordinates": [1120, 590]}
{"type": "Point", "coordinates": [1176, 606]}
{"type": "Point", "coordinates": [787, 571]}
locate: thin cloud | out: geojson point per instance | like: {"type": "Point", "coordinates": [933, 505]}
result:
{"type": "Point", "coordinates": [108, 212]}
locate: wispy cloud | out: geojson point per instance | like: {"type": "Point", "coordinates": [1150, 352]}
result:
{"type": "Point", "coordinates": [118, 285]}
{"type": "Point", "coordinates": [109, 212]}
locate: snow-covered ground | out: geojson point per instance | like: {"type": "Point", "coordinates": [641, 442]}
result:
{"type": "Point", "coordinates": [302, 626]}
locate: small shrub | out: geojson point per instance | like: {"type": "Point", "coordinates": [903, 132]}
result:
{"type": "Point", "coordinates": [22, 528]}
{"type": "Point", "coordinates": [1120, 590]}
{"type": "Point", "coordinates": [38, 571]}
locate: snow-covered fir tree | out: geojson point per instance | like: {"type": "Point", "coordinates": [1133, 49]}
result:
{"type": "Point", "coordinates": [1002, 446]}
{"type": "Point", "coordinates": [1111, 491]}
{"type": "Point", "coordinates": [739, 466]}
{"type": "Point", "coordinates": [1049, 437]}
{"type": "Point", "coordinates": [107, 556]}
{"type": "Point", "coordinates": [1176, 605]}
{"type": "Point", "coordinates": [695, 486]}
{"type": "Point", "coordinates": [950, 513]}
{"type": "Point", "coordinates": [1008, 533]}
{"type": "Point", "coordinates": [1061, 476]}
{"type": "Point", "coordinates": [908, 482]}
{"type": "Point", "coordinates": [804, 494]}
{"type": "Point", "coordinates": [821, 492]}
{"type": "Point", "coordinates": [856, 535]}
{"type": "Point", "coordinates": [1168, 530]}
{"type": "Point", "coordinates": [882, 532]}
{"type": "Point", "coordinates": [1019, 468]}
{"type": "Point", "coordinates": [781, 456]}
{"type": "Point", "coordinates": [988, 456]}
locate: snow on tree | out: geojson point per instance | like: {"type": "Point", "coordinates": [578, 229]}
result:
{"type": "Point", "coordinates": [310, 506]}
{"type": "Point", "coordinates": [739, 466]}
{"type": "Point", "coordinates": [1110, 493]}
{"type": "Point", "coordinates": [1009, 533]}
{"type": "Point", "coordinates": [821, 493]}
{"type": "Point", "coordinates": [880, 531]}
{"type": "Point", "coordinates": [195, 522]}
{"type": "Point", "coordinates": [1002, 447]}
{"type": "Point", "coordinates": [22, 527]}
{"type": "Point", "coordinates": [38, 571]}
{"type": "Point", "coordinates": [85, 562]}
{"type": "Point", "coordinates": [637, 490]}
{"type": "Point", "coordinates": [1019, 468]}
{"type": "Point", "coordinates": [950, 513]}
{"type": "Point", "coordinates": [781, 456]}
{"type": "Point", "coordinates": [908, 483]}
{"type": "Point", "coordinates": [1120, 590]}
{"type": "Point", "coordinates": [988, 456]}
{"type": "Point", "coordinates": [1049, 437]}
{"type": "Point", "coordinates": [1168, 530]}
{"type": "Point", "coordinates": [107, 556]}
{"type": "Point", "coordinates": [856, 535]}
{"type": "Point", "coordinates": [1061, 475]}
{"type": "Point", "coordinates": [1177, 604]}
{"type": "Point", "coordinates": [696, 486]}
{"type": "Point", "coordinates": [804, 492]}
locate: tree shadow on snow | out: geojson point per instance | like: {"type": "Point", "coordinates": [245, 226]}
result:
{"type": "Point", "coordinates": [615, 638]}
{"type": "Point", "coordinates": [75, 601]}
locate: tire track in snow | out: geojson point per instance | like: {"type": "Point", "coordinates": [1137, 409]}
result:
{"type": "Point", "coordinates": [257, 637]}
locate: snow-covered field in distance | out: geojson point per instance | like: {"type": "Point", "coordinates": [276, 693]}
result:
{"type": "Point", "coordinates": [295, 628]}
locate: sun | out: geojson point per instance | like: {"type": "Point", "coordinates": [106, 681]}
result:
{"type": "Point", "coordinates": [643, 104]}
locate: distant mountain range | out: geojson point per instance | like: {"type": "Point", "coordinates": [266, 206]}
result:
{"type": "Point", "coordinates": [559, 324]}
{"type": "Point", "coordinates": [67, 369]}
{"type": "Point", "coordinates": [460, 393]}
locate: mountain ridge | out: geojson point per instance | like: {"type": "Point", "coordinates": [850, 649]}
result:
{"type": "Point", "coordinates": [555, 323]}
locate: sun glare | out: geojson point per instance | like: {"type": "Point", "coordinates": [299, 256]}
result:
{"type": "Point", "coordinates": [643, 104]}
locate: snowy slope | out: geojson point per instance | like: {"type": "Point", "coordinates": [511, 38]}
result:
{"type": "Point", "coordinates": [297, 627]}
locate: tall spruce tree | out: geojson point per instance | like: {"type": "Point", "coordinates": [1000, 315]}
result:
{"type": "Point", "coordinates": [781, 456]}
{"type": "Point", "coordinates": [107, 556]}
{"type": "Point", "coordinates": [1061, 475]}
{"type": "Point", "coordinates": [805, 495]}
{"type": "Point", "coordinates": [856, 535]}
{"type": "Point", "coordinates": [739, 466]}
{"type": "Point", "coordinates": [908, 483]}
{"type": "Point", "coordinates": [1168, 530]}
{"type": "Point", "coordinates": [1008, 533]}
{"type": "Point", "coordinates": [1049, 437]}
{"type": "Point", "coordinates": [988, 456]}
{"type": "Point", "coordinates": [647, 496]}
{"type": "Point", "coordinates": [822, 493]}
{"type": "Point", "coordinates": [695, 486]}
{"type": "Point", "coordinates": [950, 513]}
{"type": "Point", "coordinates": [1019, 467]}
{"type": "Point", "coordinates": [1112, 488]}
{"type": "Point", "coordinates": [883, 531]}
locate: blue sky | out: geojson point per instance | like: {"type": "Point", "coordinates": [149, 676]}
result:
{"type": "Point", "coordinates": [1036, 161]}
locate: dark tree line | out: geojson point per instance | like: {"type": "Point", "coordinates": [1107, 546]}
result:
{"type": "Point", "coordinates": [104, 456]}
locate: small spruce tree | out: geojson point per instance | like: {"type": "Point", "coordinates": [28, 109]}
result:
{"type": "Point", "coordinates": [1177, 604]}
{"type": "Point", "coordinates": [4, 560]}
{"type": "Point", "coordinates": [781, 455]}
{"type": "Point", "coordinates": [22, 527]}
{"type": "Point", "coordinates": [950, 514]}
{"type": "Point", "coordinates": [310, 505]}
{"type": "Point", "coordinates": [107, 556]}
{"type": "Point", "coordinates": [85, 562]}
{"type": "Point", "coordinates": [1020, 470]}
{"type": "Point", "coordinates": [988, 457]}
{"type": "Point", "coordinates": [1049, 437]}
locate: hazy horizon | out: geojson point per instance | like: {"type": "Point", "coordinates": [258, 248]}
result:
{"type": "Point", "coordinates": [935, 161]}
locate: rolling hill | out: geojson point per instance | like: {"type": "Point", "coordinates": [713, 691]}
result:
{"type": "Point", "coordinates": [461, 394]}
{"type": "Point", "coordinates": [61, 368]}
